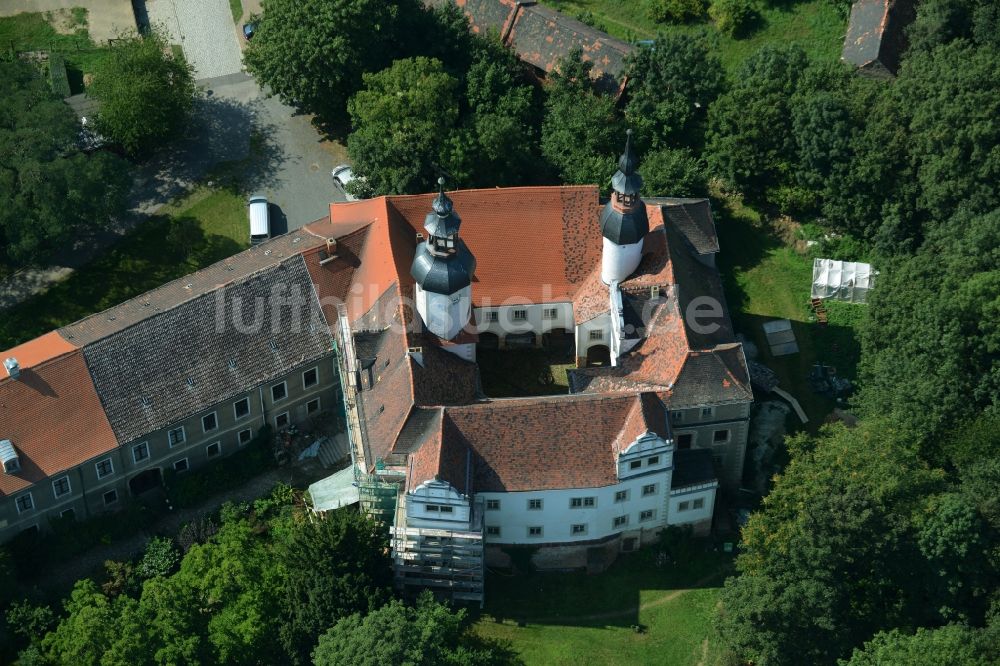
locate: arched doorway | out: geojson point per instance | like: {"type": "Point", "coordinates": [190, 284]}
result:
{"type": "Point", "coordinates": [598, 356]}
{"type": "Point", "coordinates": [143, 482]}
{"type": "Point", "coordinates": [520, 340]}
{"type": "Point", "coordinates": [489, 341]}
{"type": "Point", "coordinates": [559, 342]}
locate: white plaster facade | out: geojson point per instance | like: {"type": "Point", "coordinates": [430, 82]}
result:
{"type": "Point", "coordinates": [445, 315]}
{"type": "Point", "coordinates": [619, 261]}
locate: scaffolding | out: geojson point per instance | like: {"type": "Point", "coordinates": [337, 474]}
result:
{"type": "Point", "coordinates": [450, 563]}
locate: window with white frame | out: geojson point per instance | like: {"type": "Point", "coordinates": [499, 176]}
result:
{"type": "Point", "coordinates": [281, 420]}
{"type": "Point", "coordinates": [597, 334]}
{"type": "Point", "coordinates": [110, 497]}
{"type": "Point", "coordinates": [653, 460]}
{"type": "Point", "coordinates": [621, 496]}
{"type": "Point", "coordinates": [534, 505]}
{"type": "Point", "coordinates": [535, 531]}
{"type": "Point", "coordinates": [698, 503]}
{"type": "Point", "coordinates": [245, 436]}
{"type": "Point", "coordinates": [25, 503]}
{"type": "Point", "coordinates": [684, 506]}
{"type": "Point", "coordinates": [104, 468]}
{"type": "Point", "coordinates": [520, 315]}
{"type": "Point", "coordinates": [140, 452]}
{"type": "Point", "coordinates": [635, 464]}
{"type": "Point", "coordinates": [213, 450]}
{"type": "Point", "coordinates": [578, 529]}
{"type": "Point", "coordinates": [492, 317]}
{"type": "Point", "coordinates": [492, 505]}
{"type": "Point", "coordinates": [241, 408]}
{"type": "Point", "coordinates": [492, 530]}
{"type": "Point", "coordinates": [279, 392]}
{"type": "Point", "coordinates": [61, 486]}
{"type": "Point", "coordinates": [312, 406]}
{"type": "Point", "coordinates": [181, 465]}
{"type": "Point", "coordinates": [310, 378]}
{"type": "Point", "coordinates": [209, 422]}
{"type": "Point", "coordinates": [649, 489]}
{"type": "Point", "coordinates": [648, 514]}
{"type": "Point", "coordinates": [720, 436]}
{"type": "Point", "coordinates": [582, 502]}
{"type": "Point", "coordinates": [706, 412]}
{"type": "Point", "coordinates": [549, 313]}
{"type": "Point", "coordinates": [620, 521]}
{"type": "Point", "coordinates": [176, 436]}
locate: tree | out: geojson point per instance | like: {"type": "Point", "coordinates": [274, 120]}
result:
{"type": "Point", "coordinates": [50, 192]}
{"type": "Point", "coordinates": [734, 17]}
{"type": "Point", "coordinates": [952, 644]}
{"type": "Point", "coordinates": [581, 132]}
{"type": "Point", "coordinates": [673, 172]}
{"type": "Point", "coordinates": [671, 85]}
{"type": "Point", "coordinates": [146, 92]}
{"type": "Point", "coordinates": [426, 634]}
{"type": "Point", "coordinates": [346, 557]}
{"type": "Point", "coordinates": [750, 140]}
{"type": "Point", "coordinates": [83, 636]}
{"type": "Point", "coordinates": [831, 560]}
{"type": "Point", "coordinates": [403, 119]}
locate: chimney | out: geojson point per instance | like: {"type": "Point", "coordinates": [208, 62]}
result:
{"type": "Point", "coordinates": [331, 252]}
{"type": "Point", "coordinates": [13, 367]}
{"type": "Point", "coordinates": [420, 238]}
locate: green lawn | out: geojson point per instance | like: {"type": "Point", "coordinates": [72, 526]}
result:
{"type": "Point", "coordinates": [814, 25]}
{"type": "Point", "coordinates": [195, 232]}
{"type": "Point", "coordinates": [236, 7]}
{"type": "Point", "coordinates": [570, 617]}
{"type": "Point", "coordinates": [34, 32]}
{"type": "Point", "coordinates": [507, 373]}
{"type": "Point", "coordinates": [767, 279]}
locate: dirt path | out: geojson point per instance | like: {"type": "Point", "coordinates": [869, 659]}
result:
{"type": "Point", "coordinates": [610, 615]}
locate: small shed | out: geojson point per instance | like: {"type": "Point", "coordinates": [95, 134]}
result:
{"type": "Point", "coordinates": [781, 337]}
{"type": "Point", "coordinates": [876, 36]}
{"type": "Point", "coordinates": [847, 281]}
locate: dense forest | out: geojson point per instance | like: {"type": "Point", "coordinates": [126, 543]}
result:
{"type": "Point", "coordinates": [877, 544]}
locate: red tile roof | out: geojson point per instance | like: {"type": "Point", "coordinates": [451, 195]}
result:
{"type": "Point", "coordinates": [52, 414]}
{"type": "Point", "coordinates": [536, 443]}
{"type": "Point", "coordinates": [39, 350]}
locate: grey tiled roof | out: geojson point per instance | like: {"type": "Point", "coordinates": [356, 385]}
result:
{"type": "Point", "coordinates": [693, 218]}
{"type": "Point", "coordinates": [713, 377]}
{"type": "Point", "coordinates": [172, 364]}
{"type": "Point", "coordinates": [691, 467]}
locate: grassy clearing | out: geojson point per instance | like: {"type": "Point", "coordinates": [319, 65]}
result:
{"type": "Point", "coordinates": [195, 232]}
{"type": "Point", "coordinates": [34, 32]}
{"type": "Point", "coordinates": [571, 617]}
{"type": "Point", "coordinates": [766, 278]}
{"type": "Point", "coordinates": [814, 25]}
{"type": "Point", "coordinates": [236, 7]}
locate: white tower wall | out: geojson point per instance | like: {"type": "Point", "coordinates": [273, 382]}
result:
{"type": "Point", "coordinates": [619, 261]}
{"type": "Point", "coordinates": [445, 315]}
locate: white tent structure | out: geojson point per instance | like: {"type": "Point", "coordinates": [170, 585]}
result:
{"type": "Point", "coordinates": [842, 280]}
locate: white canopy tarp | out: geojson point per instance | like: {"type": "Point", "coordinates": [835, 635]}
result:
{"type": "Point", "coordinates": [842, 280]}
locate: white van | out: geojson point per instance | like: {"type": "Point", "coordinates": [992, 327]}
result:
{"type": "Point", "coordinates": [260, 222]}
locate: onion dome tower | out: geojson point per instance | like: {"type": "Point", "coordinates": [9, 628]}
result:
{"type": "Point", "coordinates": [443, 268]}
{"type": "Point", "coordinates": [623, 220]}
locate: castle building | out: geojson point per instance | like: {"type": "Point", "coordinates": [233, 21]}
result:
{"type": "Point", "coordinates": [394, 297]}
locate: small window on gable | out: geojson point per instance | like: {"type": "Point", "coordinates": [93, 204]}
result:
{"type": "Point", "coordinates": [447, 509]}
{"type": "Point", "coordinates": [698, 503]}
{"type": "Point", "coordinates": [635, 464]}
{"type": "Point", "coordinates": [597, 334]}
{"type": "Point", "coordinates": [683, 506]}
{"type": "Point", "coordinates": [653, 460]}
{"type": "Point", "coordinates": [432, 508]}
{"type": "Point", "coordinates": [720, 436]}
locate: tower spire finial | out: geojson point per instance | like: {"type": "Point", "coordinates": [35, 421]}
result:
{"type": "Point", "coordinates": [627, 162]}
{"type": "Point", "coordinates": [442, 204]}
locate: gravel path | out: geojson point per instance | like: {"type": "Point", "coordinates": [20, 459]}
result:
{"type": "Point", "coordinates": [206, 32]}
{"type": "Point", "coordinates": [60, 579]}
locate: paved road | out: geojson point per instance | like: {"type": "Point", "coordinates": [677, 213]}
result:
{"type": "Point", "coordinates": [206, 32]}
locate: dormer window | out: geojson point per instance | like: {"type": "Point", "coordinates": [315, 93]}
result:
{"type": "Point", "coordinates": [8, 457]}
{"type": "Point", "coordinates": [444, 244]}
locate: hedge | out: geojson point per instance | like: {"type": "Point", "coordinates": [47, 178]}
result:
{"type": "Point", "coordinates": [58, 78]}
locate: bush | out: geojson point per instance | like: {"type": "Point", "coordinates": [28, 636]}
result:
{"type": "Point", "coordinates": [58, 76]}
{"type": "Point", "coordinates": [673, 172]}
{"type": "Point", "coordinates": [160, 559]}
{"type": "Point", "coordinates": [676, 11]}
{"type": "Point", "coordinates": [734, 17]}
{"type": "Point", "coordinates": [191, 488]}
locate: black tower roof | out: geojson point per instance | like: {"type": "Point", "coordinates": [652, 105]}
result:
{"type": "Point", "coordinates": [442, 220]}
{"type": "Point", "coordinates": [623, 219]}
{"type": "Point", "coordinates": [440, 266]}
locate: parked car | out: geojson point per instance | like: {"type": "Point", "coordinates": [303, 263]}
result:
{"type": "Point", "coordinates": [249, 29]}
{"type": "Point", "coordinates": [343, 175]}
{"type": "Point", "coordinates": [260, 220]}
